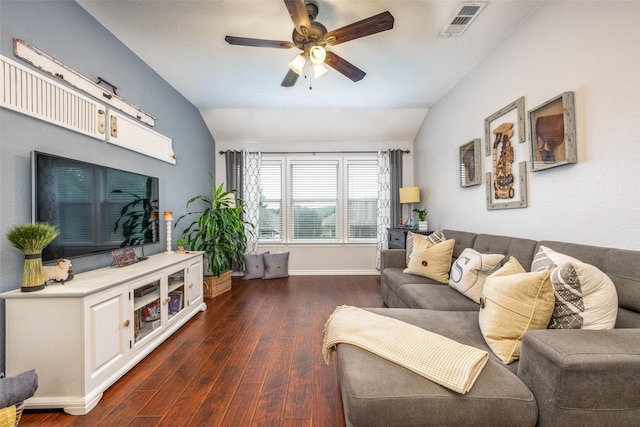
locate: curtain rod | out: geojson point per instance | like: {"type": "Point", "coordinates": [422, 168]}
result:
{"type": "Point", "coordinates": [314, 152]}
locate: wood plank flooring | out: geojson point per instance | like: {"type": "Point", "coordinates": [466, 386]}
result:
{"type": "Point", "coordinates": [252, 358]}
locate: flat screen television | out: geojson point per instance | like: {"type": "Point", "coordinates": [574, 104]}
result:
{"type": "Point", "coordinates": [96, 208]}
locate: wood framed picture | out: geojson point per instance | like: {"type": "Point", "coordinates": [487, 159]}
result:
{"type": "Point", "coordinates": [507, 179]}
{"type": "Point", "coordinates": [513, 114]}
{"type": "Point", "coordinates": [553, 133]}
{"type": "Point", "coordinates": [470, 164]}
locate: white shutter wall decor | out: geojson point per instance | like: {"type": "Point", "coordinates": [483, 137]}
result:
{"type": "Point", "coordinates": [127, 133]}
{"type": "Point", "coordinates": [41, 97]}
{"type": "Point", "coordinates": [52, 66]}
{"type": "Point", "coordinates": [28, 92]}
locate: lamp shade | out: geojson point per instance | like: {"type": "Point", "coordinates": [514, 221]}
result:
{"type": "Point", "coordinates": [317, 54]}
{"type": "Point", "coordinates": [319, 70]}
{"type": "Point", "coordinates": [410, 195]}
{"type": "Point", "coordinates": [298, 64]}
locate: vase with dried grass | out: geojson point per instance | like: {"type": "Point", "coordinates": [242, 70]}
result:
{"type": "Point", "coordinates": [32, 239]}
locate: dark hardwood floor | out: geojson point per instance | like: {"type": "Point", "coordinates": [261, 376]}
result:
{"type": "Point", "coordinates": [252, 358]}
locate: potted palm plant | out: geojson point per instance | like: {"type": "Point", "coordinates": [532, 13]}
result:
{"type": "Point", "coordinates": [218, 230]}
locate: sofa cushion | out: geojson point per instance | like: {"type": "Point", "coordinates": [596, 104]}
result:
{"type": "Point", "coordinates": [470, 270]}
{"type": "Point", "coordinates": [433, 238]}
{"type": "Point", "coordinates": [377, 392]}
{"type": "Point", "coordinates": [586, 298]}
{"type": "Point", "coordinates": [432, 261]}
{"type": "Point", "coordinates": [435, 297]}
{"type": "Point", "coordinates": [513, 304]}
{"type": "Point", "coordinates": [521, 249]}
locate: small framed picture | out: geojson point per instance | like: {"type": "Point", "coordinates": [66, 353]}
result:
{"type": "Point", "coordinates": [470, 164]}
{"type": "Point", "coordinates": [125, 256]}
{"type": "Point", "coordinates": [553, 133]}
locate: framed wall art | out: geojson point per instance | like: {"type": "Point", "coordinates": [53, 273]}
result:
{"type": "Point", "coordinates": [553, 133]}
{"type": "Point", "coordinates": [507, 181]}
{"type": "Point", "coordinates": [512, 113]}
{"type": "Point", "coordinates": [470, 164]}
{"type": "Point", "coordinates": [508, 192]}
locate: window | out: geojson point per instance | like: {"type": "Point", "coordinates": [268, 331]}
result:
{"type": "Point", "coordinates": [362, 205]}
{"type": "Point", "coordinates": [270, 224]}
{"type": "Point", "coordinates": [326, 200]}
{"type": "Point", "coordinates": [313, 200]}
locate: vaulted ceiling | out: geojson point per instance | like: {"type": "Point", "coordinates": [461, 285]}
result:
{"type": "Point", "coordinates": [237, 88]}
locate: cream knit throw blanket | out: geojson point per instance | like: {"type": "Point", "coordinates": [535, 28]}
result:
{"type": "Point", "coordinates": [440, 359]}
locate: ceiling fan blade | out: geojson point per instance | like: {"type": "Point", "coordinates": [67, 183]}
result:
{"type": "Point", "coordinates": [345, 67]}
{"type": "Point", "coordinates": [372, 25]}
{"type": "Point", "coordinates": [298, 12]}
{"type": "Point", "coordinates": [245, 41]}
{"type": "Point", "coordinates": [290, 79]}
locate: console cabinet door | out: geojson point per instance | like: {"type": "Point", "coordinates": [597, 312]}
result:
{"type": "Point", "coordinates": [106, 334]}
{"type": "Point", "coordinates": [194, 283]}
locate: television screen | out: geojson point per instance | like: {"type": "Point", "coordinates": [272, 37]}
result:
{"type": "Point", "coordinates": [96, 208]}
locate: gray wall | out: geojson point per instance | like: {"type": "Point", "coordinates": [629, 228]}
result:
{"type": "Point", "coordinates": [67, 32]}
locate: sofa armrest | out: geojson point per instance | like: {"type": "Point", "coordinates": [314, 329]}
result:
{"type": "Point", "coordinates": [393, 258]}
{"type": "Point", "coordinates": [582, 377]}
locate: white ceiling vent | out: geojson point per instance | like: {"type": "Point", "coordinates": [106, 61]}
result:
{"type": "Point", "coordinates": [462, 18]}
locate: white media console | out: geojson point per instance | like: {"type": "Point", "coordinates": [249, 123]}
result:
{"type": "Point", "coordinates": [81, 337]}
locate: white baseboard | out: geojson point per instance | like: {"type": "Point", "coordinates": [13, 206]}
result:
{"type": "Point", "coordinates": [333, 272]}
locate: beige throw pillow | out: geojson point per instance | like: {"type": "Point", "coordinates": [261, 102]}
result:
{"type": "Point", "coordinates": [432, 261]}
{"type": "Point", "coordinates": [433, 238]}
{"type": "Point", "coordinates": [514, 302]}
{"type": "Point", "coordinates": [470, 270]}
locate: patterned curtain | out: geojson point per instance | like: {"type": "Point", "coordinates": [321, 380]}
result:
{"type": "Point", "coordinates": [384, 203]}
{"type": "Point", "coordinates": [251, 192]}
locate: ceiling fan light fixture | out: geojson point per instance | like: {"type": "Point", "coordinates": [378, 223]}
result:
{"type": "Point", "coordinates": [317, 55]}
{"type": "Point", "coordinates": [298, 64]}
{"type": "Point", "coordinates": [319, 70]}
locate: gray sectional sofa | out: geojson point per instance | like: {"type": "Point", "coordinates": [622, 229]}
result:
{"type": "Point", "coordinates": [563, 378]}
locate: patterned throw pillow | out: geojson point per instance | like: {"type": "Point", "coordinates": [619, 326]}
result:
{"type": "Point", "coordinates": [514, 302]}
{"type": "Point", "coordinates": [432, 261]}
{"type": "Point", "coordinates": [433, 238]}
{"type": "Point", "coordinates": [470, 270]}
{"type": "Point", "coordinates": [585, 297]}
{"type": "Point", "coordinates": [276, 266]}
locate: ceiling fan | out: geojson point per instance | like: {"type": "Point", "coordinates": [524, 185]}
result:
{"type": "Point", "coordinates": [311, 37]}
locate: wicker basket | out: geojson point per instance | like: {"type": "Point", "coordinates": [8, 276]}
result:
{"type": "Point", "coordinates": [217, 285]}
{"type": "Point", "coordinates": [19, 409]}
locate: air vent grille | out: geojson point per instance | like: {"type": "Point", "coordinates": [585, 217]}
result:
{"type": "Point", "coordinates": [464, 15]}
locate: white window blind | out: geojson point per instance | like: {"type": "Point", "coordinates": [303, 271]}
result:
{"type": "Point", "coordinates": [314, 200]}
{"type": "Point", "coordinates": [362, 199]}
{"type": "Point", "coordinates": [270, 223]}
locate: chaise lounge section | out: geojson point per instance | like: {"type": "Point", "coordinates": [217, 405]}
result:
{"type": "Point", "coordinates": [564, 377]}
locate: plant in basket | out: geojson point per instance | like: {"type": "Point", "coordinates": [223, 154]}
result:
{"type": "Point", "coordinates": [219, 230]}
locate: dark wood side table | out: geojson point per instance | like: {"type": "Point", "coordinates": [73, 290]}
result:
{"type": "Point", "coordinates": [398, 237]}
